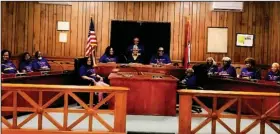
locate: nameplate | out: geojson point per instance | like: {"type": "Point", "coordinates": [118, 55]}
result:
{"type": "Point", "coordinates": [253, 80]}
{"type": "Point", "coordinates": [157, 77]}
{"type": "Point", "coordinates": [21, 74]}
{"type": "Point", "coordinates": [44, 72]}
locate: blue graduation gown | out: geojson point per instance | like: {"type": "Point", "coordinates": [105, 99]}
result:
{"type": "Point", "coordinates": [190, 81]}
{"type": "Point", "coordinates": [38, 64]}
{"type": "Point", "coordinates": [231, 71]}
{"type": "Point", "coordinates": [87, 71]}
{"type": "Point", "coordinates": [252, 73]}
{"type": "Point", "coordinates": [271, 76]}
{"type": "Point", "coordinates": [105, 59]}
{"type": "Point", "coordinates": [160, 59]}
{"type": "Point", "coordinates": [26, 65]}
{"type": "Point", "coordinates": [8, 67]}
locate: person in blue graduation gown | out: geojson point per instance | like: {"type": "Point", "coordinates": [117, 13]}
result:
{"type": "Point", "coordinates": [160, 58]}
{"type": "Point", "coordinates": [189, 81]}
{"type": "Point", "coordinates": [39, 63]}
{"type": "Point", "coordinates": [87, 72]}
{"type": "Point", "coordinates": [274, 73]}
{"type": "Point", "coordinates": [227, 69]}
{"type": "Point", "coordinates": [108, 56]}
{"type": "Point", "coordinates": [7, 66]}
{"type": "Point", "coordinates": [25, 64]}
{"type": "Point", "coordinates": [136, 44]}
{"type": "Point", "coordinates": [134, 57]}
{"type": "Point", "coordinates": [250, 71]}
{"type": "Point", "coordinates": [211, 66]}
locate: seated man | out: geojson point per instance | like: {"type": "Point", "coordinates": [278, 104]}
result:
{"type": "Point", "coordinates": [189, 81]}
{"type": "Point", "coordinates": [39, 63]}
{"type": "Point", "coordinates": [227, 69]}
{"type": "Point", "coordinates": [7, 66]}
{"type": "Point", "coordinates": [135, 44]}
{"type": "Point", "coordinates": [250, 71]}
{"type": "Point", "coordinates": [134, 57]}
{"type": "Point", "coordinates": [160, 58]}
{"type": "Point", "coordinates": [274, 74]}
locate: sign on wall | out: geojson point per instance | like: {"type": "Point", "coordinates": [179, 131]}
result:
{"type": "Point", "coordinates": [244, 40]}
{"type": "Point", "coordinates": [217, 41]}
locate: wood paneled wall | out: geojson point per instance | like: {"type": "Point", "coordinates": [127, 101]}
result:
{"type": "Point", "coordinates": [30, 26]}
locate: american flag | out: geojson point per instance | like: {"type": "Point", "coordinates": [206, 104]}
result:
{"type": "Point", "coordinates": [91, 42]}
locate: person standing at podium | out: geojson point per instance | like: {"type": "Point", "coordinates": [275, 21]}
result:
{"type": "Point", "coordinates": [250, 71]}
{"type": "Point", "coordinates": [274, 73]}
{"type": "Point", "coordinates": [25, 63]}
{"type": "Point", "coordinates": [160, 58]}
{"type": "Point", "coordinates": [136, 44]}
{"type": "Point", "coordinates": [227, 69]}
{"type": "Point", "coordinates": [39, 63]}
{"type": "Point", "coordinates": [7, 66]}
{"type": "Point", "coordinates": [108, 56]}
{"type": "Point", "coordinates": [134, 57]}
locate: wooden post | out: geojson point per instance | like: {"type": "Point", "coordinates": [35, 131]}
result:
{"type": "Point", "coordinates": [185, 114]}
{"type": "Point", "coordinates": [120, 112]}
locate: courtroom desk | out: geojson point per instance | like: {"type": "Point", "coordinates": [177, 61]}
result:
{"type": "Point", "coordinates": [236, 84]}
{"type": "Point", "coordinates": [53, 78]}
{"type": "Point", "coordinates": [104, 69]}
{"type": "Point", "coordinates": [148, 95]}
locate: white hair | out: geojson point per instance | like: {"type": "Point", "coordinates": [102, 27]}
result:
{"type": "Point", "coordinates": [226, 59]}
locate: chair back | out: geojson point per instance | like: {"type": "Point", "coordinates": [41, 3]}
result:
{"type": "Point", "coordinates": [78, 62]}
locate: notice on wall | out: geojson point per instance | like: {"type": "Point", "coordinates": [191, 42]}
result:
{"type": "Point", "coordinates": [217, 41]}
{"type": "Point", "coordinates": [244, 40]}
{"type": "Point", "coordinates": [63, 37]}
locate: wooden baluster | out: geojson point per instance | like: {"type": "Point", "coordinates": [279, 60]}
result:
{"type": "Point", "coordinates": [214, 115]}
{"type": "Point", "coordinates": [40, 115]}
{"type": "Point", "coordinates": [185, 114]}
{"type": "Point", "coordinates": [90, 115]}
{"type": "Point", "coordinates": [120, 112]}
{"type": "Point", "coordinates": [15, 110]}
{"type": "Point", "coordinates": [238, 118]}
{"type": "Point", "coordinates": [262, 123]}
{"type": "Point", "coordinates": [65, 110]}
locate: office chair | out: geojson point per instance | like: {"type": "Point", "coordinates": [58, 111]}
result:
{"type": "Point", "coordinates": [78, 62]}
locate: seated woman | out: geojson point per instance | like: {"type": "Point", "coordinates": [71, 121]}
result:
{"type": "Point", "coordinates": [160, 58]}
{"type": "Point", "coordinates": [274, 73]}
{"type": "Point", "coordinates": [25, 64]}
{"type": "Point", "coordinates": [189, 81]}
{"type": "Point", "coordinates": [88, 73]}
{"type": "Point", "coordinates": [211, 66]}
{"type": "Point", "coordinates": [135, 57]}
{"type": "Point", "coordinates": [227, 69]}
{"type": "Point", "coordinates": [39, 63]}
{"type": "Point", "coordinates": [108, 56]}
{"type": "Point", "coordinates": [250, 71]}
{"type": "Point", "coordinates": [7, 66]}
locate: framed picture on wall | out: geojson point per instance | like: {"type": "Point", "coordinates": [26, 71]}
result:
{"type": "Point", "coordinates": [244, 40]}
{"type": "Point", "coordinates": [217, 41]}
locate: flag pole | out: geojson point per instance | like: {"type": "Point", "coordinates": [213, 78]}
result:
{"type": "Point", "coordinates": [93, 54]}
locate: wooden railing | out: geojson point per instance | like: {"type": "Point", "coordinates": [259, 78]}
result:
{"type": "Point", "coordinates": [215, 114]}
{"type": "Point", "coordinates": [42, 109]}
